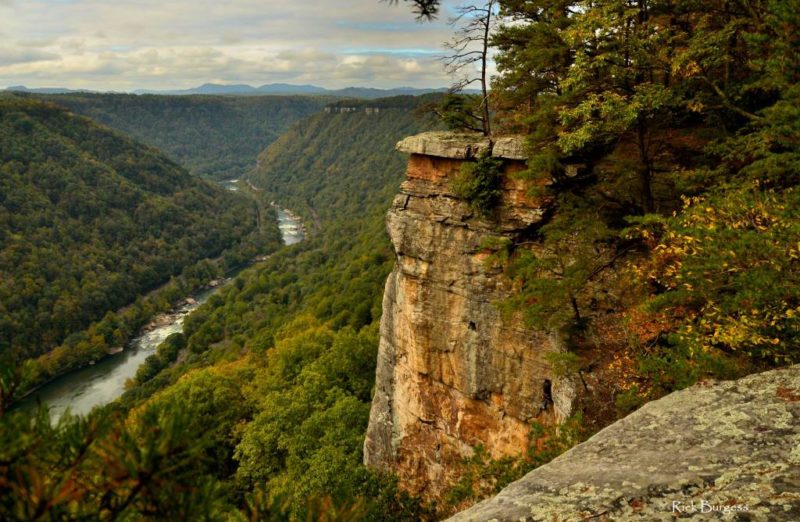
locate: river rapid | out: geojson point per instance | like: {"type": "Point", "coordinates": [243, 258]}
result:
{"type": "Point", "coordinates": [101, 383]}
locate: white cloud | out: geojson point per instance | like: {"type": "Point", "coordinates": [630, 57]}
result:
{"type": "Point", "coordinates": [126, 44]}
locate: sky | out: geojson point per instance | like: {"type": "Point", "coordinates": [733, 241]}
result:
{"type": "Point", "coordinates": [123, 45]}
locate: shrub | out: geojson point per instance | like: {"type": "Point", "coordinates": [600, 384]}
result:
{"type": "Point", "coordinates": [479, 183]}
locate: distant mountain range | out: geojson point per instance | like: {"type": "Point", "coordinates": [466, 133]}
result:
{"type": "Point", "coordinates": [45, 90]}
{"type": "Point", "coordinates": [268, 89]}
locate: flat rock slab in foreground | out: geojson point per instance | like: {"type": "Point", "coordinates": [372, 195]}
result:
{"type": "Point", "coordinates": [731, 446]}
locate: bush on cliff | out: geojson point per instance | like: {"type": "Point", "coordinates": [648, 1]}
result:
{"type": "Point", "coordinates": [479, 183]}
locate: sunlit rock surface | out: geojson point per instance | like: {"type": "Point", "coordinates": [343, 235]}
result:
{"type": "Point", "coordinates": [452, 371]}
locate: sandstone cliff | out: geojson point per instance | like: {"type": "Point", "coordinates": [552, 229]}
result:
{"type": "Point", "coordinates": [723, 451]}
{"type": "Point", "coordinates": [452, 371]}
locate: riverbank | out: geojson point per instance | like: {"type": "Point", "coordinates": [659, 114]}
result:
{"type": "Point", "coordinates": [102, 382]}
{"type": "Point", "coordinates": [102, 379]}
{"type": "Point", "coordinates": [158, 327]}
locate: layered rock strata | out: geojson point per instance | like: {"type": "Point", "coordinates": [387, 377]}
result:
{"type": "Point", "coordinates": [726, 451]}
{"type": "Point", "coordinates": [453, 372]}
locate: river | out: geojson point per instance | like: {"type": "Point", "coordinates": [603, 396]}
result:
{"type": "Point", "coordinates": [291, 226]}
{"type": "Point", "coordinates": [101, 383]}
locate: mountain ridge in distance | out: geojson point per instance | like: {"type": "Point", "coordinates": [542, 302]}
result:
{"type": "Point", "coordinates": [45, 90]}
{"type": "Point", "coordinates": [263, 90]}
{"type": "Point", "coordinates": [287, 88]}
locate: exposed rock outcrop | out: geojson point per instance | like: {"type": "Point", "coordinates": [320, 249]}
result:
{"type": "Point", "coordinates": [729, 450]}
{"type": "Point", "coordinates": [453, 372]}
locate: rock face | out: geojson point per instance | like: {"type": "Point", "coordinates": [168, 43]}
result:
{"type": "Point", "coordinates": [731, 446]}
{"type": "Point", "coordinates": [452, 371]}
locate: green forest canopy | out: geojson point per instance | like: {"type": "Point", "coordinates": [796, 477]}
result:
{"type": "Point", "coordinates": [306, 320]}
{"type": "Point", "coordinates": [684, 118]}
{"type": "Point", "coordinates": [90, 220]}
{"type": "Point", "coordinates": [217, 137]}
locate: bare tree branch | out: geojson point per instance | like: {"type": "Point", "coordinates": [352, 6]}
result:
{"type": "Point", "coordinates": [474, 24]}
{"type": "Point", "coordinates": [424, 9]}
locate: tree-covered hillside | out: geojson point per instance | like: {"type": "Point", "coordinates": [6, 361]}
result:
{"type": "Point", "coordinates": [281, 363]}
{"type": "Point", "coordinates": [339, 160]}
{"type": "Point", "coordinates": [307, 318]}
{"type": "Point", "coordinates": [213, 136]}
{"type": "Point", "coordinates": [90, 220]}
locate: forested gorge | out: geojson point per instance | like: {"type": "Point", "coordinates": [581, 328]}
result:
{"type": "Point", "coordinates": [217, 137]}
{"type": "Point", "coordinates": [89, 221]}
{"type": "Point", "coordinates": [307, 319]}
{"type": "Point", "coordinates": [281, 362]}
{"type": "Point", "coordinates": [332, 144]}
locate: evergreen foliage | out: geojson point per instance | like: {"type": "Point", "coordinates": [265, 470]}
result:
{"type": "Point", "coordinates": [100, 468]}
{"type": "Point", "coordinates": [479, 183]}
{"type": "Point", "coordinates": [460, 112]}
{"type": "Point", "coordinates": [682, 117]}
{"type": "Point", "coordinates": [553, 279]}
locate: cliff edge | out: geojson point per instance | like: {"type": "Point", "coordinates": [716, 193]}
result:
{"type": "Point", "coordinates": [728, 450]}
{"type": "Point", "coordinates": [453, 372]}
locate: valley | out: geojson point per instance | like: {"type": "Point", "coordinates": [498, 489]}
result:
{"type": "Point", "coordinates": [324, 293]}
{"type": "Point", "coordinates": [216, 137]}
{"type": "Point", "coordinates": [572, 293]}
{"type": "Point", "coordinates": [100, 383]}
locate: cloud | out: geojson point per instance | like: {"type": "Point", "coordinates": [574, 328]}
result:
{"type": "Point", "coordinates": [17, 55]}
{"type": "Point", "coordinates": [124, 45]}
{"type": "Point", "coordinates": [383, 69]}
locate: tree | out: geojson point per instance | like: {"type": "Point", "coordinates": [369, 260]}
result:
{"type": "Point", "coordinates": [480, 184]}
{"type": "Point", "coordinates": [424, 9]}
{"type": "Point", "coordinates": [726, 270]}
{"type": "Point", "coordinates": [460, 112]}
{"type": "Point", "coordinates": [533, 58]}
{"type": "Point", "coordinates": [555, 279]}
{"type": "Point", "coordinates": [103, 467]}
{"type": "Point", "coordinates": [725, 266]}
{"type": "Point", "coordinates": [622, 84]}
{"type": "Point", "coordinates": [470, 46]}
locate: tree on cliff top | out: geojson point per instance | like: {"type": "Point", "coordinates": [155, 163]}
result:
{"type": "Point", "coordinates": [470, 47]}
{"type": "Point", "coordinates": [424, 9]}
{"type": "Point", "coordinates": [468, 60]}
{"type": "Point", "coordinates": [533, 58]}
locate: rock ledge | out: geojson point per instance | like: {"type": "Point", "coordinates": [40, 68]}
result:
{"type": "Point", "coordinates": [462, 145]}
